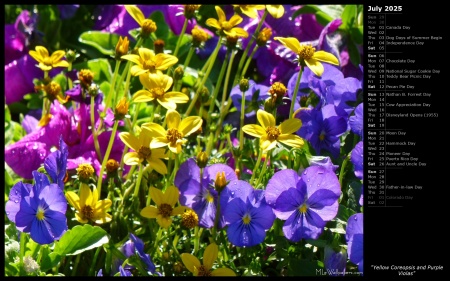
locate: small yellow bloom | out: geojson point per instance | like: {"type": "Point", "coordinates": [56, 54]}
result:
{"type": "Point", "coordinates": [177, 129]}
{"type": "Point", "coordinates": [165, 206]}
{"type": "Point", "coordinates": [85, 171]}
{"type": "Point", "coordinates": [121, 108]}
{"type": "Point", "coordinates": [193, 264]}
{"type": "Point", "coordinates": [277, 11]}
{"type": "Point", "coordinates": [147, 61]}
{"type": "Point", "coordinates": [156, 86]}
{"type": "Point", "coordinates": [53, 91]}
{"type": "Point", "coordinates": [142, 151]}
{"type": "Point", "coordinates": [122, 47]}
{"type": "Point", "coordinates": [190, 11]}
{"type": "Point", "coordinates": [250, 11]}
{"type": "Point", "coordinates": [147, 25]}
{"type": "Point", "coordinates": [199, 36]}
{"type": "Point", "coordinates": [308, 56]}
{"type": "Point", "coordinates": [88, 207]}
{"type": "Point", "coordinates": [46, 62]}
{"type": "Point", "coordinates": [225, 27]}
{"type": "Point", "coordinates": [269, 134]}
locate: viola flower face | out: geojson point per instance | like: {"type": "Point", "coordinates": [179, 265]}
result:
{"type": "Point", "coordinates": [270, 134]}
{"type": "Point", "coordinates": [47, 62]}
{"type": "Point", "coordinates": [56, 164]}
{"type": "Point", "coordinates": [88, 207]}
{"type": "Point", "coordinates": [148, 62]}
{"type": "Point", "coordinates": [196, 267]}
{"type": "Point", "coordinates": [177, 129]}
{"type": "Point", "coordinates": [306, 202]}
{"type": "Point", "coordinates": [157, 87]}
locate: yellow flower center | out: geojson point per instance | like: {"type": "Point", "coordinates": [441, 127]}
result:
{"type": "Point", "coordinates": [149, 65]}
{"type": "Point", "coordinates": [202, 271]}
{"type": "Point", "coordinates": [226, 25]}
{"type": "Point", "coordinates": [48, 61]}
{"type": "Point", "coordinates": [189, 219]}
{"type": "Point", "coordinates": [53, 89]}
{"type": "Point", "coordinates": [264, 36]}
{"type": "Point", "coordinates": [303, 208]}
{"type": "Point", "coordinates": [220, 181]}
{"type": "Point", "coordinates": [112, 166]}
{"type": "Point", "coordinates": [87, 212]}
{"type": "Point", "coordinates": [199, 35]}
{"type": "Point", "coordinates": [209, 197]}
{"type": "Point", "coordinates": [189, 10]}
{"type": "Point", "coordinates": [246, 219]}
{"type": "Point", "coordinates": [165, 210]}
{"type": "Point", "coordinates": [148, 26]}
{"type": "Point", "coordinates": [85, 171]}
{"type": "Point", "coordinates": [272, 133]}
{"type": "Point", "coordinates": [157, 92]}
{"type": "Point", "coordinates": [306, 52]}
{"type": "Point", "coordinates": [86, 77]}
{"type": "Point", "coordinates": [322, 136]}
{"type": "Point", "coordinates": [144, 152]}
{"type": "Point", "coordinates": [173, 135]}
{"type": "Point", "coordinates": [40, 214]}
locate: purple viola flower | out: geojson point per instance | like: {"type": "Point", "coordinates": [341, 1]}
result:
{"type": "Point", "coordinates": [357, 158]}
{"type": "Point", "coordinates": [135, 246]}
{"type": "Point", "coordinates": [334, 262]}
{"type": "Point", "coordinates": [355, 237]}
{"type": "Point", "coordinates": [246, 213]}
{"type": "Point", "coordinates": [356, 121]}
{"type": "Point", "coordinates": [42, 210]}
{"type": "Point", "coordinates": [56, 163]}
{"type": "Point", "coordinates": [323, 127]}
{"type": "Point", "coordinates": [17, 192]}
{"type": "Point", "coordinates": [201, 197]}
{"type": "Point", "coordinates": [27, 154]}
{"type": "Point", "coordinates": [323, 161]}
{"type": "Point", "coordinates": [254, 98]}
{"type": "Point", "coordinates": [124, 272]}
{"type": "Point", "coordinates": [306, 202]}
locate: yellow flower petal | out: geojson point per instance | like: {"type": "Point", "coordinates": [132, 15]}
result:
{"type": "Point", "coordinates": [73, 199]}
{"type": "Point", "coordinates": [290, 126]}
{"type": "Point", "coordinates": [131, 57]}
{"type": "Point", "coordinates": [61, 63]}
{"type": "Point", "coordinates": [155, 129]}
{"type": "Point", "coordinates": [135, 13]}
{"type": "Point", "coordinates": [159, 142]}
{"type": "Point", "coordinates": [315, 66]}
{"type": "Point", "coordinates": [80, 219]}
{"type": "Point", "coordinates": [171, 195]}
{"type": "Point", "coordinates": [159, 153]}
{"type": "Point", "coordinates": [163, 221]}
{"type": "Point", "coordinates": [325, 57]}
{"type": "Point", "coordinates": [157, 196]}
{"type": "Point", "coordinates": [277, 11]}
{"type": "Point", "coordinates": [57, 55]}
{"type": "Point", "coordinates": [142, 96]}
{"type": "Point", "coordinates": [190, 125]}
{"type": "Point", "coordinates": [190, 262]}
{"type": "Point", "coordinates": [173, 119]}
{"type": "Point", "coordinates": [146, 54]}
{"type": "Point", "coordinates": [213, 23]}
{"type": "Point", "coordinates": [44, 67]}
{"type": "Point", "coordinates": [158, 165]}
{"type": "Point", "coordinates": [85, 195]}
{"type": "Point", "coordinates": [266, 144]}
{"type": "Point", "coordinates": [235, 20]}
{"type": "Point", "coordinates": [223, 272]}
{"type": "Point", "coordinates": [130, 140]}
{"type": "Point", "coordinates": [254, 130]}
{"type": "Point", "coordinates": [35, 55]}
{"type": "Point", "coordinates": [176, 97]}
{"type": "Point", "coordinates": [265, 119]}
{"type": "Point", "coordinates": [164, 61]}
{"type": "Point", "coordinates": [136, 70]}
{"type": "Point", "coordinates": [42, 51]}
{"type": "Point", "coordinates": [104, 219]}
{"type": "Point", "coordinates": [179, 210]}
{"type": "Point", "coordinates": [290, 42]}
{"type": "Point", "coordinates": [94, 196]}
{"type": "Point", "coordinates": [102, 206]}
{"type": "Point", "coordinates": [291, 140]}
{"type": "Point", "coordinates": [131, 159]}
{"type": "Point", "coordinates": [220, 14]}
{"type": "Point", "coordinates": [149, 212]}
{"type": "Point", "coordinates": [210, 255]}
{"type": "Point", "coordinates": [237, 31]}
{"type": "Point", "coordinates": [167, 104]}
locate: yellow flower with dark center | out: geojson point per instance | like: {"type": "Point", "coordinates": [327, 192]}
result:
{"type": "Point", "coordinates": [53, 91]}
{"type": "Point", "coordinates": [225, 27]}
{"type": "Point", "coordinates": [47, 62]}
{"type": "Point", "coordinates": [193, 264]}
{"type": "Point", "coordinates": [277, 11]}
{"type": "Point", "coordinates": [142, 151]}
{"type": "Point", "coordinates": [177, 129]}
{"type": "Point", "coordinates": [87, 205]}
{"type": "Point", "coordinates": [148, 26]}
{"type": "Point", "coordinates": [308, 56]}
{"type": "Point", "coordinates": [269, 134]}
{"type": "Point", "coordinates": [147, 61]}
{"type": "Point", "coordinates": [111, 166]}
{"type": "Point", "coordinates": [156, 87]}
{"type": "Point", "coordinates": [250, 11]}
{"type": "Point", "coordinates": [165, 206]}
{"type": "Point", "coordinates": [85, 171]}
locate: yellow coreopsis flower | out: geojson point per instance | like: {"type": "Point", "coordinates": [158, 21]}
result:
{"type": "Point", "coordinates": [277, 11]}
{"type": "Point", "coordinates": [250, 11]}
{"type": "Point", "coordinates": [308, 56]}
{"type": "Point", "coordinates": [157, 85]}
{"type": "Point", "coordinates": [225, 27]}
{"type": "Point", "coordinates": [147, 25]}
{"type": "Point", "coordinates": [142, 151]}
{"type": "Point", "coordinates": [177, 129]}
{"type": "Point", "coordinates": [270, 134]}
{"type": "Point", "coordinates": [193, 264]}
{"type": "Point", "coordinates": [165, 206]}
{"type": "Point", "coordinates": [47, 62]}
{"type": "Point", "coordinates": [147, 61]}
{"type": "Point", "coordinates": [88, 207]}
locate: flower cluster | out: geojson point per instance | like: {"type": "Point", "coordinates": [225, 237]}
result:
{"type": "Point", "coordinates": [180, 140]}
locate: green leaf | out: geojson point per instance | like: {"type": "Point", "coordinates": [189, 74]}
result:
{"type": "Point", "coordinates": [344, 213]}
{"type": "Point", "coordinates": [103, 41]}
{"type": "Point", "coordinates": [49, 260]}
{"type": "Point", "coordinates": [303, 267]}
{"type": "Point", "coordinates": [355, 56]}
{"type": "Point", "coordinates": [349, 16]}
{"type": "Point", "coordinates": [80, 239]}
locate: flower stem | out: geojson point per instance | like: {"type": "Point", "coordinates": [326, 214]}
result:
{"type": "Point", "coordinates": [189, 57]}
{"type": "Point", "coordinates": [111, 88]}
{"type": "Point", "coordinates": [249, 60]}
{"type": "Point", "coordinates": [94, 131]}
{"type": "Point", "coordinates": [106, 158]}
{"type": "Point", "coordinates": [75, 266]}
{"type": "Point", "coordinates": [263, 169]}
{"type": "Point", "coordinates": [217, 88]}
{"type": "Point", "coordinates": [91, 269]}
{"type": "Point", "coordinates": [294, 95]}
{"type": "Point", "coordinates": [208, 71]}
{"type": "Point", "coordinates": [183, 30]}
{"type": "Point", "coordinates": [255, 168]}
{"type": "Point", "coordinates": [138, 182]}
{"type": "Point", "coordinates": [241, 132]}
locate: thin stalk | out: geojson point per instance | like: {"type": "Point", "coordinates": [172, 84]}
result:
{"type": "Point", "coordinates": [183, 31]}
{"type": "Point", "coordinates": [188, 58]}
{"type": "Point", "coordinates": [106, 158]}
{"type": "Point", "coordinates": [294, 95]}
{"type": "Point", "coordinates": [263, 169]}
{"type": "Point", "coordinates": [94, 131]}
{"type": "Point", "coordinates": [256, 166]}
{"type": "Point", "coordinates": [217, 88]}
{"type": "Point", "coordinates": [138, 182]}
{"type": "Point", "coordinates": [249, 59]}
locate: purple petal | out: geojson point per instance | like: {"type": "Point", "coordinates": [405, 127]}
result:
{"type": "Point", "coordinates": [317, 177]}
{"type": "Point", "coordinates": [56, 223]}
{"type": "Point", "coordinates": [297, 227]}
{"type": "Point", "coordinates": [357, 158]}
{"type": "Point", "coordinates": [18, 191]}
{"type": "Point", "coordinates": [210, 173]}
{"type": "Point", "coordinates": [288, 202]}
{"type": "Point", "coordinates": [357, 122]}
{"type": "Point", "coordinates": [280, 181]}
{"type": "Point", "coordinates": [187, 171]}
{"type": "Point", "coordinates": [262, 216]}
{"type": "Point", "coordinates": [40, 233]}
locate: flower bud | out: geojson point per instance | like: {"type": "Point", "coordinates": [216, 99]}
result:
{"type": "Point", "coordinates": [158, 46]}
{"type": "Point", "coordinates": [71, 55]}
{"type": "Point", "coordinates": [112, 166]}
{"type": "Point", "coordinates": [189, 219]}
{"type": "Point", "coordinates": [190, 11]}
{"type": "Point", "coordinates": [148, 27]}
{"type": "Point", "coordinates": [264, 36]}
{"type": "Point", "coordinates": [85, 172]}
{"type": "Point", "coordinates": [122, 47]}
{"type": "Point", "coordinates": [178, 73]}
{"type": "Point", "coordinates": [121, 109]}
{"type": "Point", "coordinates": [243, 85]}
{"type": "Point", "coordinates": [220, 181]}
{"type": "Point", "coordinates": [93, 90]}
{"type": "Point", "coordinates": [202, 159]}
